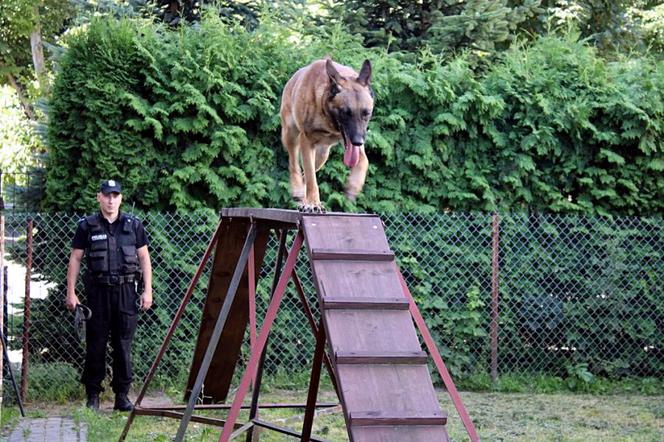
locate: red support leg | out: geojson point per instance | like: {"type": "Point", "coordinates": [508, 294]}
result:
{"type": "Point", "coordinates": [314, 383]}
{"type": "Point", "coordinates": [258, 375]}
{"type": "Point", "coordinates": [262, 339]}
{"type": "Point", "coordinates": [438, 360]}
{"type": "Point", "coordinates": [252, 299]}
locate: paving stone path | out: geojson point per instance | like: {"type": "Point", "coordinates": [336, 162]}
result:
{"type": "Point", "coordinates": [51, 429]}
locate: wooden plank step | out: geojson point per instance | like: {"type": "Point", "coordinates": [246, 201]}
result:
{"type": "Point", "coordinates": [345, 232]}
{"type": "Point", "coordinates": [373, 418]}
{"type": "Point", "coordinates": [405, 433]}
{"type": "Point", "coordinates": [371, 357]}
{"type": "Point", "coordinates": [321, 254]}
{"type": "Point", "coordinates": [387, 387]}
{"type": "Point", "coordinates": [365, 303]}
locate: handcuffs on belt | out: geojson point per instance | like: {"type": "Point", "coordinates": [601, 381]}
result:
{"type": "Point", "coordinates": [82, 313]}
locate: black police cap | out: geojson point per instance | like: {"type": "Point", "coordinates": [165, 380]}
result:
{"type": "Point", "coordinates": [110, 186]}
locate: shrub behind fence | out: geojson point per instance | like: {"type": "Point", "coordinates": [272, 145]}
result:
{"type": "Point", "coordinates": [571, 290]}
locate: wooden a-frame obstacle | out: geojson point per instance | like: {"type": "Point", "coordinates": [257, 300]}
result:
{"type": "Point", "coordinates": [365, 335]}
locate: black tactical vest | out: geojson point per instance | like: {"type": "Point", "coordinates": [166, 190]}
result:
{"type": "Point", "coordinates": [111, 255]}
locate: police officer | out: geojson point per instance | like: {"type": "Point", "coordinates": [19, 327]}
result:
{"type": "Point", "coordinates": [116, 250]}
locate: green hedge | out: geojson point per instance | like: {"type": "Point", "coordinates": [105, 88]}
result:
{"type": "Point", "coordinates": [189, 119]}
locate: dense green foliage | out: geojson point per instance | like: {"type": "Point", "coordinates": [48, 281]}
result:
{"type": "Point", "coordinates": [189, 119]}
{"type": "Point", "coordinates": [441, 25]}
{"type": "Point", "coordinates": [618, 26]}
{"type": "Point", "coordinates": [17, 136]}
{"type": "Point", "coordinates": [19, 20]}
{"type": "Point", "coordinates": [612, 26]}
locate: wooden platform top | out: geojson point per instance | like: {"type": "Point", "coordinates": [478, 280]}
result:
{"type": "Point", "coordinates": [287, 216]}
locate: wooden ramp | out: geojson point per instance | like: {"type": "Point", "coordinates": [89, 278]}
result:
{"type": "Point", "coordinates": [385, 387]}
{"type": "Point", "coordinates": [366, 336]}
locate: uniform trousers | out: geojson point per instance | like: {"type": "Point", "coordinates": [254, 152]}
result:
{"type": "Point", "coordinates": [114, 315]}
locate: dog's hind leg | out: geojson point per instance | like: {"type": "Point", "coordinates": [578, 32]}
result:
{"type": "Point", "coordinates": [358, 175]}
{"type": "Point", "coordinates": [289, 137]}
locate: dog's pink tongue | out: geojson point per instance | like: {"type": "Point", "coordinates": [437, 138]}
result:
{"type": "Point", "coordinates": [351, 155]}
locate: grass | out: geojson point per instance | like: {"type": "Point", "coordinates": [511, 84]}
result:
{"type": "Point", "coordinates": [497, 416]}
{"type": "Point", "coordinates": [520, 407]}
{"type": "Point", "coordinates": [534, 383]}
{"type": "Point", "coordinates": [9, 417]}
{"type": "Point", "coordinates": [42, 387]}
{"type": "Point", "coordinates": [562, 417]}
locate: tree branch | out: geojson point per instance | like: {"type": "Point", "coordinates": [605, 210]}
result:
{"type": "Point", "coordinates": [37, 49]}
{"type": "Point", "coordinates": [25, 103]}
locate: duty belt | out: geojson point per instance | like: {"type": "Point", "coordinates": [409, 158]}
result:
{"type": "Point", "coordinates": [114, 279]}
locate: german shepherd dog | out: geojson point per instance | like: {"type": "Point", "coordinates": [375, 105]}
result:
{"type": "Point", "coordinates": [322, 104]}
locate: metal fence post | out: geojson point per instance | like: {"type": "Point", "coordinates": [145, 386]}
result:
{"type": "Point", "coordinates": [26, 313]}
{"type": "Point", "coordinates": [495, 261]}
{"type": "Point", "coordinates": [2, 288]}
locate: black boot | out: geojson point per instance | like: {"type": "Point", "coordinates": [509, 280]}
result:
{"type": "Point", "coordinates": [93, 401]}
{"type": "Point", "coordinates": [122, 403]}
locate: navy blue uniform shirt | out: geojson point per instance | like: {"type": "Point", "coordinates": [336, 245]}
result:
{"type": "Point", "coordinates": [80, 240]}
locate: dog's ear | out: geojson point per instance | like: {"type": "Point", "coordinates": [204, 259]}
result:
{"type": "Point", "coordinates": [335, 78]}
{"type": "Point", "coordinates": [365, 74]}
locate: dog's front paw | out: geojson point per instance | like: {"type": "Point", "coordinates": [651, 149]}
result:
{"type": "Point", "coordinates": [310, 208]}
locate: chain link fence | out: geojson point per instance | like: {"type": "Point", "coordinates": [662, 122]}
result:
{"type": "Point", "coordinates": [558, 291]}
